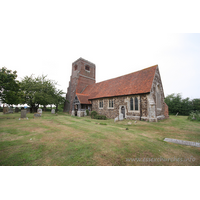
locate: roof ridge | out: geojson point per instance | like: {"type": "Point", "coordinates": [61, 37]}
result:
{"type": "Point", "coordinates": [128, 74]}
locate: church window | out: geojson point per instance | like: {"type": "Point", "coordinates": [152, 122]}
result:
{"type": "Point", "coordinates": [136, 103]}
{"type": "Point", "coordinates": [131, 103]}
{"type": "Point", "coordinates": [100, 103]}
{"type": "Point", "coordinates": [75, 67]}
{"type": "Point", "coordinates": [158, 97]}
{"type": "Point", "coordinates": [110, 103]}
{"type": "Point", "coordinates": [87, 68]}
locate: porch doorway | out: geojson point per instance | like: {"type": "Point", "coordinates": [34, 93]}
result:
{"type": "Point", "coordinates": [123, 111]}
{"type": "Point", "coordinates": [75, 109]}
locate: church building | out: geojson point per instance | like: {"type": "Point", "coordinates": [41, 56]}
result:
{"type": "Point", "coordinates": [138, 95]}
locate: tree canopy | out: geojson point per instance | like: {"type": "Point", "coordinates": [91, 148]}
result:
{"type": "Point", "coordinates": [10, 92]}
{"type": "Point", "coordinates": [182, 106]}
{"type": "Point", "coordinates": [40, 91]}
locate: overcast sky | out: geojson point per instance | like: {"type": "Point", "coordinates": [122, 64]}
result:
{"type": "Point", "coordinates": [120, 37]}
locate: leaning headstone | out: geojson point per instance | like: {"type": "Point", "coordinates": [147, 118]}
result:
{"type": "Point", "coordinates": [5, 110]}
{"type": "Point", "coordinates": [23, 113]}
{"type": "Point", "coordinates": [39, 111]}
{"type": "Point", "coordinates": [116, 119]}
{"type": "Point", "coordinates": [16, 109]}
{"type": "Point", "coordinates": [53, 111]}
{"type": "Point", "coordinates": [176, 114]}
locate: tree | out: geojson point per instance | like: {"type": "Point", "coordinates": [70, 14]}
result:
{"type": "Point", "coordinates": [46, 94]}
{"type": "Point", "coordinates": [174, 103]}
{"type": "Point", "coordinates": [182, 106]}
{"type": "Point", "coordinates": [10, 92]}
{"type": "Point", "coordinates": [40, 91]}
{"type": "Point", "coordinates": [196, 104]}
{"type": "Point", "coordinates": [58, 98]}
{"type": "Point", "coordinates": [37, 91]}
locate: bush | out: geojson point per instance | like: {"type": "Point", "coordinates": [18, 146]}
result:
{"type": "Point", "coordinates": [194, 116]}
{"type": "Point", "coordinates": [93, 114]}
{"type": "Point", "coordinates": [103, 124]}
{"type": "Point", "coordinates": [101, 117]}
{"type": "Point", "coordinates": [87, 111]}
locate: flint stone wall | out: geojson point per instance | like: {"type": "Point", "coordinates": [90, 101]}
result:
{"type": "Point", "coordinates": [157, 81]}
{"type": "Point", "coordinates": [118, 102]}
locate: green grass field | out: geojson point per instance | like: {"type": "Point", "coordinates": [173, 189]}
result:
{"type": "Point", "coordinates": [65, 140]}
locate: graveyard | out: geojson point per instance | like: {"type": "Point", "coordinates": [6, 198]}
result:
{"type": "Point", "coordinates": [59, 139]}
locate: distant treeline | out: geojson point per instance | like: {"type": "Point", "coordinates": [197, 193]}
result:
{"type": "Point", "coordinates": [182, 106]}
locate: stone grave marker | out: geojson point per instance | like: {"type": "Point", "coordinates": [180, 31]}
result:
{"type": "Point", "coordinates": [37, 115]}
{"type": "Point", "coordinates": [23, 113]}
{"type": "Point", "coordinates": [121, 117]}
{"type": "Point", "coordinates": [39, 111]}
{"type": "Point", "coordinates": [183, 142]}
{"type": "Point", "coordinates": [5, 110]}
{"type": "Point", "coordinates": [10, 110]}
{"type": "Point", "coordinates": [28, 110]}
{"type": "Point", "coordinates": [16, 109]}
{"type": "Point", "coordinates": [53, 111]}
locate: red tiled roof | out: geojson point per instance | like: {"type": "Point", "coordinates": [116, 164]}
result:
{"type": "Point", "coordinates": [83, 99]}
{"type": "Point", "coordinates": [134, 83]}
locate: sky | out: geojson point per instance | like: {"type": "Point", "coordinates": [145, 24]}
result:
{"type": "Point", "coordinates": [119, 37]}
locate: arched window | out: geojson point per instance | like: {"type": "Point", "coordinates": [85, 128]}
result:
{"type": "Point", "coordinates": [136, 103]}
{"type": "Point", "coordinates": [131, 103]}
{"type": "Point", "coordinates": [75, 67]}
{"type": "Point", "coordinates": [158, 97]}
{"type": "Point", "coordinates": [87, 68]}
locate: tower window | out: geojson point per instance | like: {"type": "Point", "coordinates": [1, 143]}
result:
{"type": "Point", "coordinates": [75, 67]}
{"type": "Point", "coordinates": [87, 68]}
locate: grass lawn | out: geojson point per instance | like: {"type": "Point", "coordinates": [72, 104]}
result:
{"type": "Point", "coordinates": [65, 140]}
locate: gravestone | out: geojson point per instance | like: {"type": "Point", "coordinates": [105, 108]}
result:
{"type": "Point", "coordinates": [23, 113]}
{"type": "Point", "coordinates": [193, 117]}
{"type": "Point", "coordinates": [28, 110]}
{"type": "Point", "coordinates": [116, 119]}
{"type": "Point", "coordinates": [53, 111]}
{"type": "Point", "coordinates": [5, 110]}
{"type": "Point", "coordinates": [121, 116]}
{"type": "Point", "coordinates": [37, 115]}
{"type": "Point", "coordinates": [183, 142]}
{"type": "Point", "coordinates": [16, 109]}
{"type": "Point", "coordinates": [10, 110]}
{"type": "Point", "coordinates": [39, 111]}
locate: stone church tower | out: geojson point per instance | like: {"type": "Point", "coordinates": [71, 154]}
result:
{"type": "Point", "coordinates": [83, 74]}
